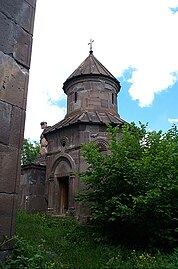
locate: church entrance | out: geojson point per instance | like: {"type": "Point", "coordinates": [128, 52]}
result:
{"type": "Point", "coordinates": [63, 194]}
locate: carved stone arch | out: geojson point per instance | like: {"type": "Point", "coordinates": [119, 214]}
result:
{"type": "Point", "coordinates": [102, 144]}
{"type": "Point", "coordinates": [61, 185]}
{"type": "Point", "coordinates": [64, 160]}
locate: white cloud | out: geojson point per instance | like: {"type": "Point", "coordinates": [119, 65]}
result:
{"type": "Point", "coordinates": [139, 33]}
{"type": "Point", "coordinates": [39, 109]}
{"type": "Point", "coordinates": [146, 83]}
{"type": "Point", "coordinates": [173, 120]}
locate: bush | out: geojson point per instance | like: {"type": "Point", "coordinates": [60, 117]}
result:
{"type": "Point", "coordinates": [132, 191]}
{"type": "Point", "coordinates": [30, 152]}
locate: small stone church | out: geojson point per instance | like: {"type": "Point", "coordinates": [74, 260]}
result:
{"type": "Point", "coordinates": [91, 103]}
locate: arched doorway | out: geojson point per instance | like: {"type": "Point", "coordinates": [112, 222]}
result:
{"type": "Point", "coordinates": [61, 186]}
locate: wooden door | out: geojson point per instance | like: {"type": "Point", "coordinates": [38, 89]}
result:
{"type": "Point", "coordinates": [64, 191]}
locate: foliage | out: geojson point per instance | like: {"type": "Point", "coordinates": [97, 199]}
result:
{"type": "Point", "coordinates": [143, 260]}
{"type": "Point", "coordinates": [28, 256]}
{"type": "Point", "coordinates": [30, 152]}
{"type": "Point", "coordinates": [132, 191]}
{"type": "Point", "coordinates": [48, 243]}
{"type": "Point", "coordinates": [68, 243]}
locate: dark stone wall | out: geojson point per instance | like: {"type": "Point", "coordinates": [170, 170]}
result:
{"type": "Point", "coordinates": [63, 149]}
{"type": "Point", "coordinates": [16, 30]}
{"type": "Point", "coordinates": [92, 94]}
{"type": "Point", "coordinates": [32, 197]}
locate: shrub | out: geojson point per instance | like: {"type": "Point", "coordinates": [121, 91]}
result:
{"type": "Point", "coordinates": [30, 152]}
{"type": "Point", "coordinates": [132, 191]}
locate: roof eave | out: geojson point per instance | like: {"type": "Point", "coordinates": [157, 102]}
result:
{"type": "Point", "coordinates": [75, 78]}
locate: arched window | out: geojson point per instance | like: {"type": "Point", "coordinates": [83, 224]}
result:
{"type": "Point", "coordinates": [75, 97]}
{"type": "Point", "coordinates": [101, 145]}
{"type": "Point", "coordinates": [112, 98]}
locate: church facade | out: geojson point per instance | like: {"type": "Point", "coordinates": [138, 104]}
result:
{"type": "Point", "coordinates": [91, 103]}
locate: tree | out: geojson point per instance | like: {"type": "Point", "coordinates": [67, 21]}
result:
{"type": "Point", "coordinates": [30, 152]}
{"type": "Point", "coordinates": [132, 191]}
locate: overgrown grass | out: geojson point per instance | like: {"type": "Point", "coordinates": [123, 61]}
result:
{"type": "Point", "coordinates": [52, 243]}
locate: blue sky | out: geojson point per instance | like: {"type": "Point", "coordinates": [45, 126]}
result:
{"type": "Point", "coordinates": [158, 115]}
{"type": "Point", "coordinates": [136, 41]}
{"type": "Point", "coordinates": [163, 108]}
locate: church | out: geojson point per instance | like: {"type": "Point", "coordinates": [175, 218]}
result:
{"type": "Point", "coordinates": [91, 103]}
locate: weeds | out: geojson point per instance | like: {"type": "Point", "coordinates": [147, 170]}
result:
{"type": "Point", "coordinates": [28, 256]}
{"type": "Point", "coordinates": [54, 243]}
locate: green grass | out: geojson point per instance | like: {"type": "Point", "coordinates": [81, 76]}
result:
{"type": "Point", "coordinates": [52, 243]}
{"type": "Point", "coordinates": [67, 242]}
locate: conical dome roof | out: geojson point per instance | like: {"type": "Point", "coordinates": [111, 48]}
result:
{"type": "Point", "coordinates": [90, 66]}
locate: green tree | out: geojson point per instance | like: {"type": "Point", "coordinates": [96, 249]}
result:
{"type": "Point", "coordinates": [132, 191]}
{"type": "Point", "coordinates": [30, 152]}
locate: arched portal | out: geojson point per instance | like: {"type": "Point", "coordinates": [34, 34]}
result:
{"type": "Point", "coordinates": [62, 174]}
{"type": "Point", "coordinates": [61, 185]}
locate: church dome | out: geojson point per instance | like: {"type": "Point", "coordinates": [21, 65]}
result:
{"type": "Point", "coordinates": [90, 67]}
{"type": "Point", "coordinates": [91, 96]}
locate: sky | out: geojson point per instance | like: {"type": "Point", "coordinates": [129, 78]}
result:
{"type": "Point", "coordinates": [136, 40]}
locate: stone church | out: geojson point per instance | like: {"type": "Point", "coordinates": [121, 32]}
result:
{"type": "Point", "coordinates": [91, 103]}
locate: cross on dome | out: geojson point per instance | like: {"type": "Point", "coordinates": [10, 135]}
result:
{"type": "Point", "coordinates": [90, 43]}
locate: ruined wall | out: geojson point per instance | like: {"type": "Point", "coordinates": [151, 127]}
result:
{"type": "Point", "coordinates": [32, 197]}
{"type": "Point", "coordinates": [16, 29]}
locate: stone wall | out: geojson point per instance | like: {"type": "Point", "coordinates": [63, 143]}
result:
{"type": "Point", "coordinates": [32, 197]}
{"type": "Point", "coordinates": [92, 94]}
{"type": "Point", "coordinates": [16, 30]}
{"type": "Point", "coordinates": [65, 159]}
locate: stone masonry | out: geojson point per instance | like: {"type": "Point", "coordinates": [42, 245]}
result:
{"type": "Point", "coordinates": [16, 30]}
{"type": "Point", "coordinates": [32, 196]}
{"type": "Point", "coordinates": [91, 103]}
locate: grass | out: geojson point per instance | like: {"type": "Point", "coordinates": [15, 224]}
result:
{"type": "Point", "coordinates": [52, 243]}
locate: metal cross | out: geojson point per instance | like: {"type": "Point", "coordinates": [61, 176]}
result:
{"type": "Point", "coordinates": [90, 43]}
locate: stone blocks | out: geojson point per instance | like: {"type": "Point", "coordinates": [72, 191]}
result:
{"type": "Point", "coordinates": [17, 43]}
{"type": "Point", "coordinates": [7, 224]}
{"type": "Point", "coordinates": [32, 197]}
{"type": "Point", "coordinates": [11, 119]}
{"type": "Point", "coordinates": [9, 169]}
{"type": "Point", "coordinates": [5, 120]}
{"type": "Point", "coordinates": [13, 82]}
{"type": "Point", "coordinates": [21, 12]}
{"type": "Point", "coordinates": [16, 28]}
